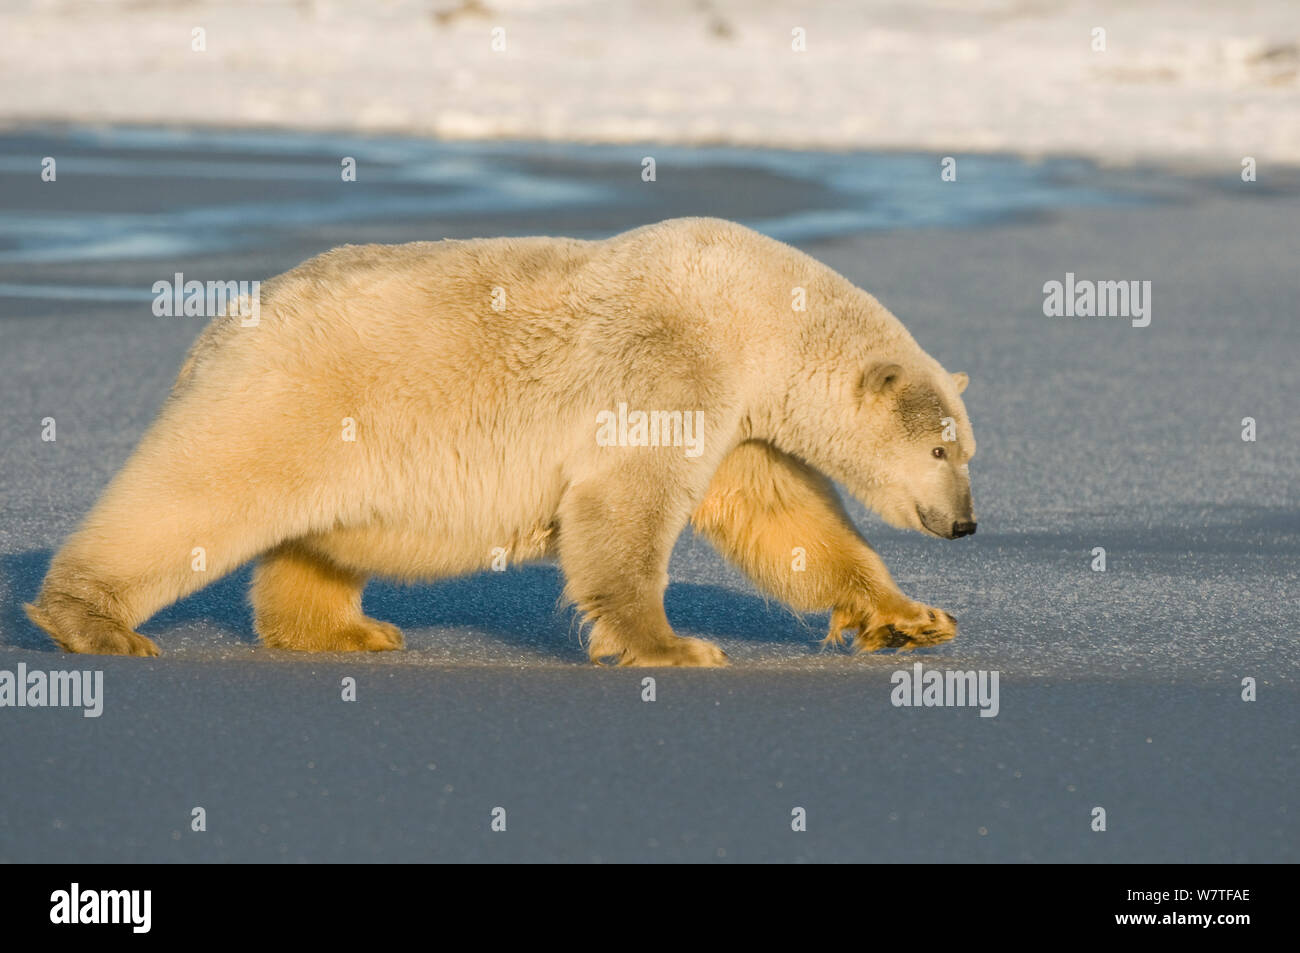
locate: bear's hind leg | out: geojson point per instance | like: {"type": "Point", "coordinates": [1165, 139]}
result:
{"type": "Point", "coordinates": [303, 601]}
{"type": "Point", "coordinates": [159, 532]}
{"type": "Point", "coordinates": [78, 623]}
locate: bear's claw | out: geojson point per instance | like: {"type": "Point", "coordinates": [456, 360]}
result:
{"type": "Point", "coordinates": [915, 627]}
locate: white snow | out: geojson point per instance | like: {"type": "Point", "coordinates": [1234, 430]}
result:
{"type": "Point", "coordinates": [1206, 83]}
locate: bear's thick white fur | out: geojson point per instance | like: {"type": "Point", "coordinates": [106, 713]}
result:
{"type": "Point", "coordinates": [472, 376]}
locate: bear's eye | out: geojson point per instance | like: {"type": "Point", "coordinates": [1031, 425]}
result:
{"type": "Point", "coordinates": [939, 453]}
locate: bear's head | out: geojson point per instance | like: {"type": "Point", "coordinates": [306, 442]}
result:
{"type": "Point", "coordinates": [897, 436]}
{"type": "Point", "coordinates": [919, 473]}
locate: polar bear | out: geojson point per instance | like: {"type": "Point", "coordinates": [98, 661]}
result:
{"type": "Point", "coordinates": [420, 410]}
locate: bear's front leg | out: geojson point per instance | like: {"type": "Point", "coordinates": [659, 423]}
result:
{"type": "Point", "coordinates": [615, 537]}
{"type": "Point", "coordinates": [781, 522]}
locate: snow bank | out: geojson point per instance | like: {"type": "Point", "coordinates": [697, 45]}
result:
{"type": "Point", "coordinates": [1204, 83]}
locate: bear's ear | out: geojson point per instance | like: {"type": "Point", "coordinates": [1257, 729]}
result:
{"type": "Point", "coordinates": [961, 379]}
{"type": "Point", "coordinates": [879, 378]}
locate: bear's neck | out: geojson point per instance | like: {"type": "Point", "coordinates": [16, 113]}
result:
{"type": "Point", "coordinates": [809, 327]}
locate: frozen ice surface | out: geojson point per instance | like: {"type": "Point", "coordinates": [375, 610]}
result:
{"type": "Point", "coordinates": [1118, 689]}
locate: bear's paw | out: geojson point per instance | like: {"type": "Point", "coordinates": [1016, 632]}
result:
{"type": "Point", "coordinates": [909, 627]}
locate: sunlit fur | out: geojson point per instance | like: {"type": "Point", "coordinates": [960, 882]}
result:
{"type": "Point", "coordinates": [476, 441]}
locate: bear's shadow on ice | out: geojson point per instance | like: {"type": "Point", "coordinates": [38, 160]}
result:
{"type": "Point", "coordinates": [521, 607]}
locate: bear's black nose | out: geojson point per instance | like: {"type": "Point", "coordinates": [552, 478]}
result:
{"type": "Point", "coordinates": [962, 529]}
